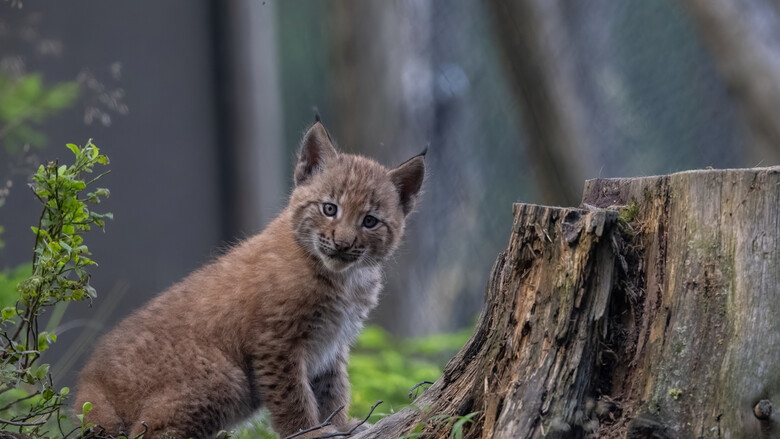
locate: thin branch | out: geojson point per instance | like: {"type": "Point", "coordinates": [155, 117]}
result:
{"type": "Point", "coordinates": [321, 425]}
{"type": "Point", "coordinates": [38, 235]}
{"type": "Point", "coordinates": [352, 430]}
{"type": "Point", "coordinates": [59, 422]}
{"type": "Point", "coordinates": [23, 424]}
{"type": "Point", "coordinates": [420, 384]}
{"type": "Point", "coordinates": [98, 177]}
{"type": "Point", "coordinates": [71, 432]}
{"type": "Point", "coordinates": [17, 401]}
{"type": "Point", "coordinates": [10, 343]}
{"type": "Point", "coordinates": [37, 353]}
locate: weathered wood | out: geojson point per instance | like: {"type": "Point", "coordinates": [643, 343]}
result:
{"type": "Point", "coordinates": [538, 333]}
{"type": "Point", "coordinates": [658, 317]}
{"type": "Point", "coordinates": [707, 256]}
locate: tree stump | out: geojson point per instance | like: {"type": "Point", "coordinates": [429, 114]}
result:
{"type": "Point", "coordinates": [651, 312]}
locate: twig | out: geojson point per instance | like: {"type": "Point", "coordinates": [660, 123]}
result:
{"type": "Point", "coordinates": [6, 407]}
{"type": "Point", "coordinates": [38, 353]}
{"type": "Point", "coordinates": [420, 384]}
{"type": "Point", "coordinates": [319, 426]}
{"type": "Point", "coordinates": [10, 343]}
{"type": "Point", "coordinates": [71, 432]}
{"type": "Point", "coordinates": [38, 235]}
{"type": "Point", "coordinates": [23, 424]}
{"type": "Point", "coordinates": [352, 430]}
{"type": "Point", "coordinates": [98, 177]}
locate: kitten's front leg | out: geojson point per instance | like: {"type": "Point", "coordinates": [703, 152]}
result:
{"type": "Point", "coordinates": [284, 389]}
{"type": "Point", "coordinates": [331, 390]}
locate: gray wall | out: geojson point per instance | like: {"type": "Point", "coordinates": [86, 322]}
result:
{"type": "Point", "coordinates": [164, 166]}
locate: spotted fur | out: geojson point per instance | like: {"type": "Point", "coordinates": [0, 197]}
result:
{"type": "Point", "coordinates": [269, 324]}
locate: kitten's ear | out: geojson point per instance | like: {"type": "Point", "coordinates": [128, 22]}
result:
{"type": "Point", "coordinates": [408, 179]}
{"type": "Point", "coordinates": [316, 149]}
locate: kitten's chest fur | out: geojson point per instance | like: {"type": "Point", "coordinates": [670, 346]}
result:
{"type": "Point", "coordinates": [336, 322]}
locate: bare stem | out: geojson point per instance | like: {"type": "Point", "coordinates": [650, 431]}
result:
{"type": "Point", "coordinates": [420, 384]}
{"type": "Point", "coordinates": [23, 424]}
{"type": "Point", "coordinates": [321, 425]}
{"type": "Point", "coordinates": [352, 430]}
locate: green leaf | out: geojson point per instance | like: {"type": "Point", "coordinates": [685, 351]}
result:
{"type": "Point", "coordinates": [43, 341]}
{"type": "Point", "coordinates": [86, 408]}
{"type": "Point", "coordinates": [457, 428]}
{"type": "Point", "coordinates": [48, 393]}
{"type": "Point", "coordinates": [9, 312]}
{"type": "Point", "coordinates": [41, 372]}
{"type": "Point", "coordinates": [76, 150]}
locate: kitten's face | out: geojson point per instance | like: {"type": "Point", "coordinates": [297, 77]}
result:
{"type": "Point", "coordinates": [349, 211]}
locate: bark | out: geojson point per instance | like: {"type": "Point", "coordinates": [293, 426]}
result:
{"type": "Point", "coordinates": [743, 38]}
{"type": "Point", "coordinates": [651, 313]}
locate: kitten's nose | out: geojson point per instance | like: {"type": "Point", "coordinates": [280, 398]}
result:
{"type": "Point", "coordinates": [341, 240]}
{"type": "Point", "coordinates": [342, 245]}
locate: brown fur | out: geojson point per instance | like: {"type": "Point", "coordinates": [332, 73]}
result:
{"type": "Point", "coordinates": [267, 324]}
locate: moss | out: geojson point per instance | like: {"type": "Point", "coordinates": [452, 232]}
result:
{"type": "Point", "coordinates": [675, 393]}
{"type": "Point", "coordinates": [629, 213]}
{"type": "Point", "coordinates": [654, 406]}
{"type": "Point", "coordinates": [679, 348]}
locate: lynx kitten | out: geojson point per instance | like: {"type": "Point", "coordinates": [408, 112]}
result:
{"type": "Point", "coordinates": [269, 324]}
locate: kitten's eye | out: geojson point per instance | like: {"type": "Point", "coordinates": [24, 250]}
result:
{"type": "Point", "coordinates": [329, 209]}
{"type": "Point", "coordinates": [370, 222]}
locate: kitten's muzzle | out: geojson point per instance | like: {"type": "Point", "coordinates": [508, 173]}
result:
{"type": "Point", "coordinates": [339, 250]}
{"type": "Point", "coordinates": [341, 256]}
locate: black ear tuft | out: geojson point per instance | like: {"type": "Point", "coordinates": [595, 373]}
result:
{"type": "Point", "coordinates": [408, 178]}
{"type": "Point", "coordinates": [316, 150]}
{"type": "Point", "coordinates": [316, 115]}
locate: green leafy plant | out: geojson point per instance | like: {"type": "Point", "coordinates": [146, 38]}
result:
{"type": "Point", "coordinates": [85, 409]}
{"type": "Point", "coordinates": [58, 274]}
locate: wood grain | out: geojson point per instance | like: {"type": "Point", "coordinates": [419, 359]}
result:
{"type": "Point", "coordinates": [654, 311]}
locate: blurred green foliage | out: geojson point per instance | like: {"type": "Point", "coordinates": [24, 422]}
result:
{"type": "Point", "coordinates": [26, 101]}
{"type": "Point", "coordinates": [384, 367]}
{"type": "Point", "coordinates": [9, 281]}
